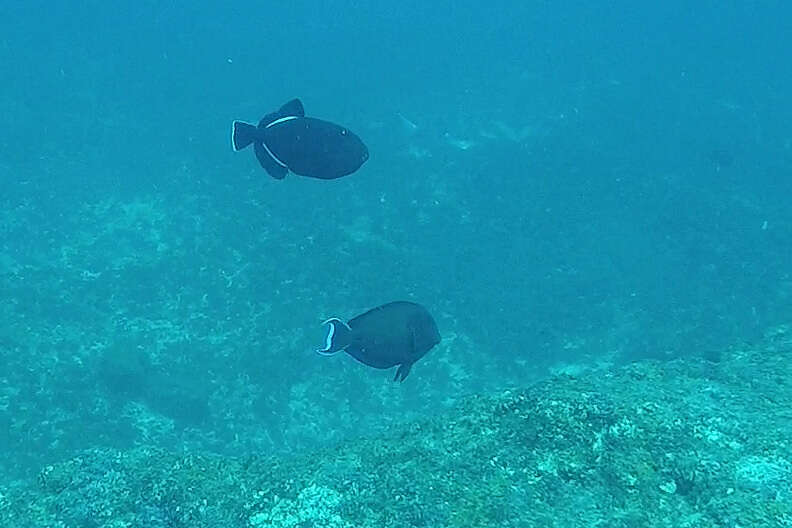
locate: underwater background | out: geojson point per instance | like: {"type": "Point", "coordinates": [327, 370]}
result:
{"type": "Point", "coordinates": [569, 188]}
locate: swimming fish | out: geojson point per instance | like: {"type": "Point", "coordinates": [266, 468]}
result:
{"type": "Point", "coordinates": [397, 333]}
{"type": "Point", "coordinates": [286, 141]}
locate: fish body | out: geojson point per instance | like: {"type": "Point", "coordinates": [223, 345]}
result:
{"type": "Point", "coordinates": [398, 333]}
{"type": "Point", "coordinates": [286, 141]}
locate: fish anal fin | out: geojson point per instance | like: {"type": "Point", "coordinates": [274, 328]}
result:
{"type": "Point", "coordinates": [402, 372]}
{"type": "Point", "coordinates": [265, 159]}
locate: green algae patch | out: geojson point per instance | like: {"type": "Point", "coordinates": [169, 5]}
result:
{"type": "Point", "coordinates": [682, 444]}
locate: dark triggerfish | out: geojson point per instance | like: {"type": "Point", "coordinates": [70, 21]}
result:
{"type": "Point", "coordinates": [397, 333]}
{"type": "Point", "coordinates": [286, 141]}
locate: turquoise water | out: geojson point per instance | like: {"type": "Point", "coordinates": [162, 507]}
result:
{"type": "Point", "coordinates": [563, 188]}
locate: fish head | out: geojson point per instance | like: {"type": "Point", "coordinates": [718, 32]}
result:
{"type": "Point", "coordinates": [356, 150]}
{"type": "Point", "coordinates": [424, 335]}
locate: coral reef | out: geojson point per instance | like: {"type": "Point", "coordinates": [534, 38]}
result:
{"type": "Point", "coordinates": [685, 443]}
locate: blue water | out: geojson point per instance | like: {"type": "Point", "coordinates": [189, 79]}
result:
{"type": "Point", "coordinates": [562, 187]}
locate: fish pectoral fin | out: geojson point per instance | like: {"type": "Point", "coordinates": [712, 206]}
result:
{"type": "Point", "coordinates": [402, 372]}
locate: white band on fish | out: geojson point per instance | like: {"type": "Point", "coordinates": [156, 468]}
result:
{"type": "Point", "coordinates": [329, 339]}
{"type": "Point", "coordinates": [273, 156]}
{"type": "Point", "coordinates": [281, 120]}
{"type": "Point", "coordinates": [279, 162]}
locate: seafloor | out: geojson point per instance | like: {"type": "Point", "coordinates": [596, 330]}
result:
{"type": "Point", "coordinates": [672, 444]}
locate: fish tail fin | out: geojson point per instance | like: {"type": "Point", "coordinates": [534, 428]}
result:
{"type": "Point", "coordinates": [339, 336]}
{"type": "Point", "coordinates": [242, 135]}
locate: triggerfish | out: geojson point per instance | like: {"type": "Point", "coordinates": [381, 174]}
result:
{"type": "Point", "coordinates": [286, 141]}
{"type": "Point", "coordinates": [397, 333]}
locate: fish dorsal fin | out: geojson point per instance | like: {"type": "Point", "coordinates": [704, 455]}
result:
{"type": "Point", "coordinates": [292, 108]}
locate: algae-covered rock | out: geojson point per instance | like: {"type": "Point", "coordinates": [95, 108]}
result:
{"type": "Point", "coordinates": [676, 444]}
{"type": "Point", "coordinates": [124, 369]}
